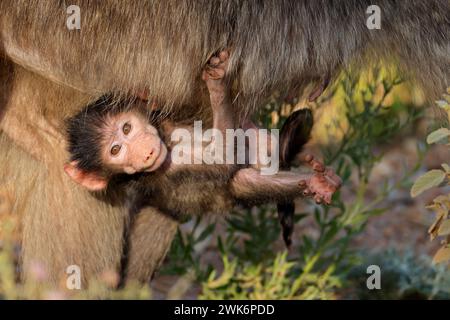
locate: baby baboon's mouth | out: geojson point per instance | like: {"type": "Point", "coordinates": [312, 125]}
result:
{"type": "Point", "coordinates": [162, 153]}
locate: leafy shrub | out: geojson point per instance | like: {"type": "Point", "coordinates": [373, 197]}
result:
{"type": "Point", "coordinates": [434, 178]}
{"type": "Point", "coordinates": [404, 276]}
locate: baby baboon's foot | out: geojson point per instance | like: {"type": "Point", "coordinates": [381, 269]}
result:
{"type": "Point", "coordinates": [323, 182]}
{"type": "Point", "coordinates": [215, 69]}
{"type": "Point", "coordinates": [323, 185]}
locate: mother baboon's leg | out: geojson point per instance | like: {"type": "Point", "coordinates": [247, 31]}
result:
{"type": "Point", "coordinates": [61, 224]}
{"type": "Point", "coordinates": [151, 236]}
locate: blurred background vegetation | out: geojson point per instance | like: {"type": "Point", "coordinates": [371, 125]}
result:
{"type": "Point", "coordinates": [372, 131]}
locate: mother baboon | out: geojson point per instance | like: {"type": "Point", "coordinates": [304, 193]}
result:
{"type": "Point", "coordinates": [159, 47]}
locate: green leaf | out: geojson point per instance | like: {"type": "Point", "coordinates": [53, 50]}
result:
{"type": "Point", "coordinates": [438, 135]}
{"type": "Point", "coordinates": [429, 180]}
{"type": "Point", "coordinates": [446, 167]}
{"type": "Point", "coordinates": [207, 232]}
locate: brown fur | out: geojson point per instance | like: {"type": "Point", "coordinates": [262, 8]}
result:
{"type": "Point", "coordinates": [162, 46]}
{"type": "Point", "coordinates": [61, 223]}
{"type": "Point", "coordinates": [150, 238]}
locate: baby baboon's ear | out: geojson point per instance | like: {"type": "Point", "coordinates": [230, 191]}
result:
{"type": "Point", "coordinates": [90, 180]}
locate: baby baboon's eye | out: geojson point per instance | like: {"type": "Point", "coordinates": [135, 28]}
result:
{"type": "Point", "coordinates": [126, 128]}
{"type": "Point", "coordinates": [115, 149]}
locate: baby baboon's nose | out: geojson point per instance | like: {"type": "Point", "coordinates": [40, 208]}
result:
{"type": "Point", "coordinates": [150, 155]}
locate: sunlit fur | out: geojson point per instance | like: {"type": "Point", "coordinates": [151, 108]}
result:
{"type": "Point", "coordinates": [162, 45]}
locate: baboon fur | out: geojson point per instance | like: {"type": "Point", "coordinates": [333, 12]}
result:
{"type": "Point", "coordinates": [51, 72]}
{"type": "Point", "coordinates": [61, 223]}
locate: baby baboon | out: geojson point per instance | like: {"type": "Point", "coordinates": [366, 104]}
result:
{"type": "Point", "coordinates": [107, 140]}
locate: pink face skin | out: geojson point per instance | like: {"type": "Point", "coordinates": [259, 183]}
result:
{"type": "Point", "coordinates": [132, 145]}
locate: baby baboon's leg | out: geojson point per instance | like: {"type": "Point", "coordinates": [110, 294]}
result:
{"type": "Point", "coordinates": [249, 184]}
{"type": "Point", "coordinates": [219, 92]}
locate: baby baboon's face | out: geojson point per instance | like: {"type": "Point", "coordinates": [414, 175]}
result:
{"type": "Point", "coordinates": [130, 144]}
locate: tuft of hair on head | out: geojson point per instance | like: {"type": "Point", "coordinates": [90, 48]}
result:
{"type": "Point", "coordinates": [86, 130]}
